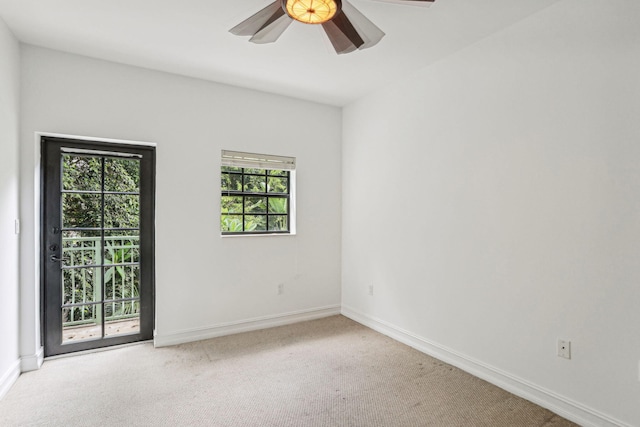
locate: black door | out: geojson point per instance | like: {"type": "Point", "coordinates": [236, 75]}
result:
{"type": "Point", "coordinates": [97, 244]}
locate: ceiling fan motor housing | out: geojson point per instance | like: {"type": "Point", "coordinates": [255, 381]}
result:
{"type": "Point", "coordinates": [312, 11]}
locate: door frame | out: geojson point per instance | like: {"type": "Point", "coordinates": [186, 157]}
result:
{"type": "Point", "coordinates": [147, 227]}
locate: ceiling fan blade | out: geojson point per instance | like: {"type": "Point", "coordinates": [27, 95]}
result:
{"type": "Point", "coordinates": [342, 34]}
{"type": "Point", "coordinates": [350, 30]}
{"type": "Point", "coordinates": [424, 3]}
{"type": "Point", "coordinates": [271, 31]}
{"type": "Point", "coordinates": [367, 30]}
{"type": "Point", "coordinates": [338, 38]}
{"type": "Point", "coordinates": [259, 20]}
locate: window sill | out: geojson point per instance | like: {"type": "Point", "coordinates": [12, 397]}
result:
{"type": "Point", "coordinates": [227, 236]}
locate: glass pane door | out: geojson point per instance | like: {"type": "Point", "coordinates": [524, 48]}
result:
{"type": "Point", "coordinates": [98, 283]}
{"type": "Point", "coordinates": [100, 247]}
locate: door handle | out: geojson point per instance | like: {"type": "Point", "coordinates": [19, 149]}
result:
{"type": "Point", "coordinates": [54, 258]}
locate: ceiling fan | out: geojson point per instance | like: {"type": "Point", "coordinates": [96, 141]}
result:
{"type": "Point", "coordinates": [347, 28]}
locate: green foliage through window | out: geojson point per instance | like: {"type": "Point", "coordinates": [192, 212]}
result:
{"type": "Point", "coordinates": [254, 200]}
{"type": "Point", "coordinates": [100, 238]}
{"type": "Point", "coordinates": [82, 182]}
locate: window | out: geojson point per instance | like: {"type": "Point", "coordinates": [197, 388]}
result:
{"type": "Point", "coordinates": [256, 194]}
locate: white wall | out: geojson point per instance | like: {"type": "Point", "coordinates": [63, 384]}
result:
{"type": "Point", "coordinates": [492, 201]}
{"type": "Point", "coordinates": [9, 174]}
{"type": "Point", "coordinates": [204, 283]}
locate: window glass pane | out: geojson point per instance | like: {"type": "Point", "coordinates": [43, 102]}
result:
{"type": "Point", "coordinates": [80, 323]}
{"type": "Point", "coordinates": [255, 184]}
{"type": "Point", "coordinates": [231, 204]}
{"type": "Point", "coordinates": [81, 248]}
{"type": "Point", "coordinates": [122, 175]}
{"type": "Point", "coordinates": [121, 211]}
{"type": "Point", "coordinates": [231, 182]}
{"type": "Point", "coordinates": [81, 210]}
{"type": "Point", "coordinates": [121, 247]}
{"type": "Point", "coordinates": [80, 173]}
{"type": "Point", "coordinates": [278, 223]}
{"type": "Point", "coordinates": [122, 318]}
{"type": "Point", "coordinates": [278, 172]}
{"type": "Point", "coordinates": [255, 171]}
{"type": "Point", "coordinates": [81, 285]}
{"type": "Point", "coordinates": [255, 223]}
{"type": "Point", "coordinates": [121, 281]}
{"type": "Point", "coordinates": [278, 184]}
{"type": "Point", "coordinates": [278, 205]}
{"type": "Point", "coordinates": [255, 205]}
{"type": "Point", "coordinates": [231, 223]}
{"type": "Point", "coordinates": [82, 314]}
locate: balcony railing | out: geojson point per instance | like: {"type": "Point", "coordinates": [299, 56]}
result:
{"type": "Point", "coordinates": [84, 282]}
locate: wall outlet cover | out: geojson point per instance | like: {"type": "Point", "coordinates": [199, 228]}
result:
{"type": "Point", "coordinates": [564, 349]}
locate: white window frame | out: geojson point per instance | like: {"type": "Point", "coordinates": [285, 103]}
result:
{"type": "Point", "coordinates": [263, 161]}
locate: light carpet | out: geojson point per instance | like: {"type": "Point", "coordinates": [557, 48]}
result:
{"type": "Point", "coordinates": [327, 372]}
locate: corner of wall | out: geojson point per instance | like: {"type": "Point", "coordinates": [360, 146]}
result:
{"type": "Point", "coordinates": [198, 334]}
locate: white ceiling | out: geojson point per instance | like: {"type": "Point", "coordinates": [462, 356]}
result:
{"type": "Point", "coordinates": [191, 38]}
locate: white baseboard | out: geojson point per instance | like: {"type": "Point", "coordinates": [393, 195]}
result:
{"type": "Point", "coordinates": [32, 362]}
{"type": "Point", "coordinates": [190, 335]}
{"type": "Point", "coordinates": [9, 377]}
{"type": "Point", "coordinates": [561, 405]}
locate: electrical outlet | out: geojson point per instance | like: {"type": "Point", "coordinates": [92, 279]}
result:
{"type": "Point", "coordinates": [281, 289]}
{"type": "Point", "coordinates": [371, 290]}
{"type": "Point", "coordinates": [17, 226]}
{"type": "Point", "coordinates": [564, 349]}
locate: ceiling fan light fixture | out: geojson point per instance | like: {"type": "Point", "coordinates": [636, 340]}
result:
{"type": "Point", "coordinates": [312, 11]}
{"type": "Point", "coordinates": [345, 26]}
